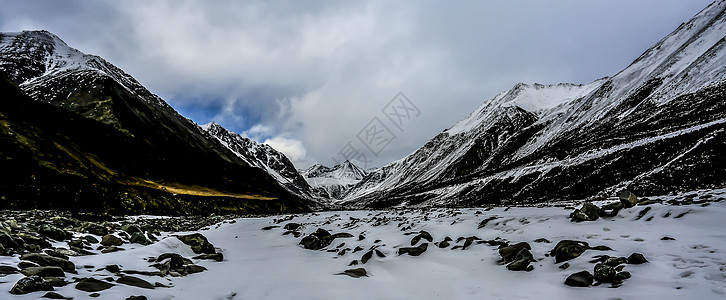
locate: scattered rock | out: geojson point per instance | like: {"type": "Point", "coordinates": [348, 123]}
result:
{"type": "Point", "coordinates": [509, 253]}
{"type": "Point", "coordinates": [111, 240]}
{"type": "Point", "coordinates": [30, 284]}
{"type": "Point", "coordinates": [565, 266]}
{"type": "Point", "coordinates": [628, 199]}
{"type": "Point", "coordinates": [47, 260]}
{"type": "Point", "coordinates": [316, 240]}
{"type": "Point", "coordinates": [604, 273]}
{"type": "Point", "coordinates": [54, 232]}
{"type": "Point", "coordinates": [131, 228]}
{"type": "Point", "coordinates": [642, 213]}
{"type": "Point", "coordinates": [580, 279]}
{"type": "Point", "coordinates": [588, 212]}
{"type": "Point", "coordinates": [355, 273]}
{"type": "Point", "coordinates": [96, 229]}
{"type": "Point", "coordinates": [485, 222]}
{"type": "Point", "coordinates": [667, 238]}
{"type": "Point", "coordinates": [568, 249]}
{"type": "Point", "coordinates": [6, 270]}
{"type": "Point", "coordinates": [636, 259]}
{"type": "Point", "coordinates": [198, 242]}
{"type": "Point", "coordinates": [135, 281]}
{"type": "Point", "coordinates": [292, 226]}
{"type": "Point", "coordinates": [542, 240]}
{"type": "Point", "coordinates": [269, 227]}
{"type": "Point", "coordinates": [413, 251]}
{"type": "Point", "coordinates": [139, 238]}
{"type": "Point", "coordinates": [112, 268]}
{"type": "Point", "coordinates": [141, 298]}
{"type": "Point", "coordinates": [422, 235]}
{"type": "Point", "coordinates": [92, 285]}
{"type": "Point", "coordinates": [54, 295]}
{"type": "Point", "coordinates": [521, 261]}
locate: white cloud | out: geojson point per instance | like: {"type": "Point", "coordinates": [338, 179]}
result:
{"type": "Point", "coordinates": [292, 148]}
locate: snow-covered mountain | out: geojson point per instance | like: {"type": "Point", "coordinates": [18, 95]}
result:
{"type": "Point", "coordinates": [150, 151]}
{"type": "Point", "coordinates": [657, 126]}
{"type": "Point", "coordinates": [262, 156]}
{"type": "Point", "coordinates": [333, 182]}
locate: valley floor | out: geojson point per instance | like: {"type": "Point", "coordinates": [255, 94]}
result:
{"type": "Point", "coordinates": [263, 260]}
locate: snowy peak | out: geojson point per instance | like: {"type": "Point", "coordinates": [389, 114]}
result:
{"type": "Point", "coordinates": [336, 181]}
{"type": "Point", "coordinates": [316, 170]}
{"type": "Point", "coordinates": [261, 156]}
{"type": "Point", "coordinates": [38, 59]}
{"type": "Point", "coordinates": [345, 170]}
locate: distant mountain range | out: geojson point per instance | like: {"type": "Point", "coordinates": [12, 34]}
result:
{"type": "Point", "coordinates": [78, 133]}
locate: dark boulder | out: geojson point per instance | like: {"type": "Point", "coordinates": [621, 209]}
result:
{"type": "Point", "coordinates": [588, 212]}
{"type": "Point", "coordinates": [509, 253]}
{"type": "Point", "coordinates": [604, 273]}
{"type": "Point", "coordinates": [30, 284]}
{"type": "Point", "coordinates": [111, 240]}
{"type": "Point", "coordinates": [422, 235]}
{"type": "Point", "coordinates": [47, 260]}
{"type": "Point", "coordinates": [54, 295]}
{"type": "Point", "coordinates": [139, 238]}
{"type": "Point", "coordinates": [198, 243]}
{"type": "Point", "coordinates": [54, 232]}
{"type": "Point", "coordinates": [93, 285]}
{"type": "Point", "coordinates": [636, 259]}
{"type": "Point", "coordinates": [135, 281]}
{"type": "Point", "coordinates": [521, 261]}
{"type": "Point", "coordinates": [568, 249]}
{"type": "Point", "coordinates": [628, 199]}
{"type": "Point", "coordinates": [579, 279]}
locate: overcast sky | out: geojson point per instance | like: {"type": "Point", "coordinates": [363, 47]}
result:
{"type": "Point", "coordinates": [307, 77]}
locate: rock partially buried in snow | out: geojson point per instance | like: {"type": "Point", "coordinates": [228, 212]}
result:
{"type": "Point", "coordinates": [413, 251]}
{"type": "Point", "coordinates": [521, 261]}
{"type": "Point", "coordinates": [588, 212]}
{"type": "Point", "coordinates": [198, 242]}
{"type": "Point", "coordinates": [47, 260]}
{"type": "Point", "coordinates": [111, 240]}
{"type": "Point", "coordinates": [54, 295]}
{"type": "Point", "coordinates": [568, 249]}
{"type": "Point", "coordinates": [580, 279]}
{"type": "Point", "coordinates": [93, 285]}
{"type": "Point", "coordinates": [135, 281]}
{"type": "Point", "coordinates": [604, 273]}
{"type": "Point", "coordinates": [509, 253]}
{"type": "Point", "coordinates": [628, 199]}
{"type": "Point", "coordinates": [355, 273]}
{"type": "Point", "coordinates": [636, 259]}
{"type": "Point", "coordinates": [30, 284]}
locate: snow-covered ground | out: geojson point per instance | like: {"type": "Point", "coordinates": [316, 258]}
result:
{"type": "Point", "coordinates": [265, 264]}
